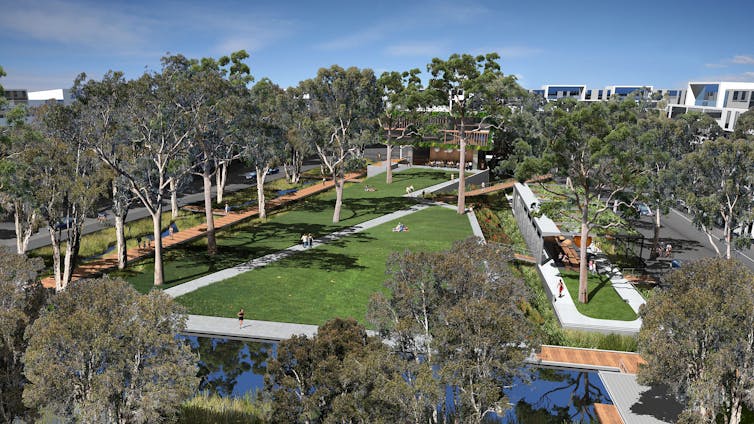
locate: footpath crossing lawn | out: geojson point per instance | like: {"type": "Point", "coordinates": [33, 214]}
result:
{"type": "Point", "coordinates": [604, 302]}
{"type": "Point", "coordinates": [283, 229]}
{"type": "Point", "coordinates": [333, 280]}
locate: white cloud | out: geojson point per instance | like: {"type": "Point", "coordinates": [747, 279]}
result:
{"type": "Point", "coordinates": [36, 82]}
{"type": "Point", "coordinates": [715, 65]}
{"type": "Point", "coordinates": [357, 39]}
{"type": "Point", "coordinates": [743, 60]}
{"type": "Point", "coordinates": [74, 24]}
{"type": "Point", "coordinates": [419, 48]}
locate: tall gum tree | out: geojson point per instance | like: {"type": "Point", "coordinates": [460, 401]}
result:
{"type": "Point", "coordinates": [716, 182]}
{"type": "Point", "coordinates": [475, 89]}
{"type": "Point", "coordinates": [161, 113]}
{"type": "Point", "coordinates": [402, 95]}
{"type": "Point", "coordinates": [264, 144]}
{"type": "Point", "coordinates": [102, 129]}
{"type": "Point", "coordinates": [593, 146]}
{"type": "Point", "coordinates": [697, 337]}
{"type": "Point", "coordinates": [344, 104]}
{"type": "Point", "coordinates": [70, 181]}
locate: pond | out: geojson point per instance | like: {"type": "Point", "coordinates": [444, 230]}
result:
{"type": "Point", "coordinates": [554, 395]}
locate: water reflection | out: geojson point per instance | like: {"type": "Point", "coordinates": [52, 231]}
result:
{"type": "Point", "coordinates": [556, 396]}
{"type": "Point", "coordinates": [231, 367]}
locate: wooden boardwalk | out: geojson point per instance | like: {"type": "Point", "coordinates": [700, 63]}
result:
{"type": "Point", "coordinates": [504, 186]}
{"type": "Point", "coordinates": [626, 362]}
{"type": "Point", "coordinates": [98, 266]}
{"type": "Point", "coordinates": [607, 414]}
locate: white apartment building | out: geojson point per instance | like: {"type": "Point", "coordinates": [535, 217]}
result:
{"type": "Point", "coordinates": [724, 101]}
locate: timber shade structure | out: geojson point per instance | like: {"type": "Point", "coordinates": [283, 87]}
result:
{"type": "Point", "coordinates": [476, 135]}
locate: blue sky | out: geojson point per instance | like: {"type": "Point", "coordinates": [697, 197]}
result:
{"type": "Point", "coordinates": [44, 44]}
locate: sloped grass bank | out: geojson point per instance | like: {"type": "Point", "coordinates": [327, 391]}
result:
{"type": "Point", "coordinates": [333, 280]}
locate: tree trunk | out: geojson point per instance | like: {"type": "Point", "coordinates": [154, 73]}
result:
{"type": "Point", "coordinates": [656, 236]}
{"type": "Point", "coordinates": [462, 176]}
{"type": "Point", "coordinates": [339, 181]}
{"type": "Point", "coordinates": [583, 272]}
{"type": "Point", "coordinates": [23, 230]}
{"type": "Point", "coordinates": [735, 410]}
{"type": "Point", "coordinates": [210, 218]}
{"type": "Point", "coordinates": [260, 192]}
{"type": "Point", "coordinates": [728, 232]}
{"type": "Point", "coordinates": [120, 239]}
{"type": "Point", "coordinates": [67, 263]}
{"type": "Point", "coordinates": [173, 199]}
{"type": "Point", "coordinates": [389, 169]}
{"type": "Point", "coordinates": [222, 179]}
{"type": "Point", "coordinates": [55, 244]}
{"type": "Point", "coordinates": [159, 275]}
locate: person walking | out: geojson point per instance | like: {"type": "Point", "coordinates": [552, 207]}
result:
{"type": "Point", "coordinates": [561, 287]}
{"type": "Point", "coordinates": [227, 209]}
{"type": "Point", "coordinates": [240, 315]}
{"type": "Point", "coordinates": [310, 239]}
{"type": "Point", "coordinates": [304, 240]}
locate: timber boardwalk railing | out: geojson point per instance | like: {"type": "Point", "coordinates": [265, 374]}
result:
{"type": "Point", "coordinates": [98, 266]}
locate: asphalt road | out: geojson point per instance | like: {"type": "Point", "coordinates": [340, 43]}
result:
{"type": "Point", "coordinates": [688, 243]}
{"type": "Point", "coordinates": [236, 182]}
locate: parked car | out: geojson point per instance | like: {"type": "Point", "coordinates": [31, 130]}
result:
{"type": "Point", "coordinates": [643, 209]}
{"type": "Point", "coordinates": [253, 174]}
{"type": "Point", "coordinates": [65, 223]}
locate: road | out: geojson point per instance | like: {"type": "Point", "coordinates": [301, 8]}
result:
{"type": "Point", "coordinates": [236, 182]}
{"type": "Point", "coordinates": [688, 243]}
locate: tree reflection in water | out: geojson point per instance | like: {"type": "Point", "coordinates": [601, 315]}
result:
{"type": "Point", "coordinates": [231, 367]}
{"type": "Point", "coordinates": [557, 396]}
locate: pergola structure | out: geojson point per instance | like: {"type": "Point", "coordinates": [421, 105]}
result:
{"type": "Point", "coordinates": [473, 137]}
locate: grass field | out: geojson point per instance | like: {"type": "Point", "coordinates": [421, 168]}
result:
{"type": "Point", "coordinates": [333, 280]}
{"type": "Point", "coordinates": [604, 302]}
{"type": "Point", "coordinates": [282, 229]}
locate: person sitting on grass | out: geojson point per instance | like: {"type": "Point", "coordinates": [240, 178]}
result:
{"type": "Point", "coordinates": [400, 228]}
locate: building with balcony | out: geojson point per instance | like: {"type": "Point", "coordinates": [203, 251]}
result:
{"type": "Point", "coordinates": [724, 101]}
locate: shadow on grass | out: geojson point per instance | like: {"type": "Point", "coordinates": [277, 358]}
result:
{"type": "Point", "coordinates": [324, 260]}
{"type": "Point", "coordinates": [603, 280]}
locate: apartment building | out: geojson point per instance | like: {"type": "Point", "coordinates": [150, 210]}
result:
{"type": "Point", "coordinates": [724, 101]}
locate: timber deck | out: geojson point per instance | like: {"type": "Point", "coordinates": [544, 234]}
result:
{"type": "Point", "coordinates": [109, 262]}
{"type": "Point", "coordinates": [504, 186]}
{"type": "Point", "coordinates": [625, 362]}
{"type": "Point", "coordinates": [607, 414]}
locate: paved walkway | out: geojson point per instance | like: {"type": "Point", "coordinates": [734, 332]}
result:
{"type": "Point", "coordinates": [201, 325]}
{"type": "Point", "coordinates": [504, 186]}
{"type": "Point", "coordinates": [110, 261]}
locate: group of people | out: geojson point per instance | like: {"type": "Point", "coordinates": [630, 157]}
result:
{"type": "Point", "coordinates": [307, 239]}
{"type": "Point", "coordinates": [661, 251]}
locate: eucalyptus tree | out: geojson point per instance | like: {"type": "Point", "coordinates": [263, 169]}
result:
{"type": "Point", "coordinates": [593, 146]}
{"type": "Point", "coordinates": [17, 186]}
{"type": "Point", "coordinates": [103, 128]}
{"type": "Point", "coordinates": [662, 143]}
{"type": "Point", "coordinates": [745, 125]}
{"type": "Point", "coordinates": [262, 130]}
{"type": "Point", "coordinates": [475, 89]}
{"type": "Point", "coordinates": [402, 95]}
{"type": "Point", "coordinates": [215, 87]}
{"type": "Point", "coordinates": [701, 126]}
{"type": "Point", "coordinates": [70, 180]}
{"type": "Point", "coordinates": [716, 181]}
{"type": "Point", "coordinates": [21, 298]}
{"type": "Point", "coordinates": [102, 352]}
{"type": "Point", "coordinates": [451, 310]}
{"type": "Point", "coordinates": [697, 337]}
{"type": "Point", "coordinates": [161, 113]}
{"type": "Point", "coordinates": [298, 144]}
{"type": "Point", "coordinates": [343, 107]}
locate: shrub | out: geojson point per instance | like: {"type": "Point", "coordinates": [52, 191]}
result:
{"type": "Point", "coordinates": [211, 409]}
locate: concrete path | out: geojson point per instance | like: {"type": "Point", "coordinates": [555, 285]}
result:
{"type": "Point", "coordinates": [200, 325]}
{"type": "Point", "coordinates": [193, 285]}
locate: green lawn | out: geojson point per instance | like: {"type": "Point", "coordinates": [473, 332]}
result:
{"type": "Point", "coordinates": [604, 302]}
{"type": "Point", "coordinates": [334, 280]}
{"type": "Point", "coordinates": [282, 229]}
